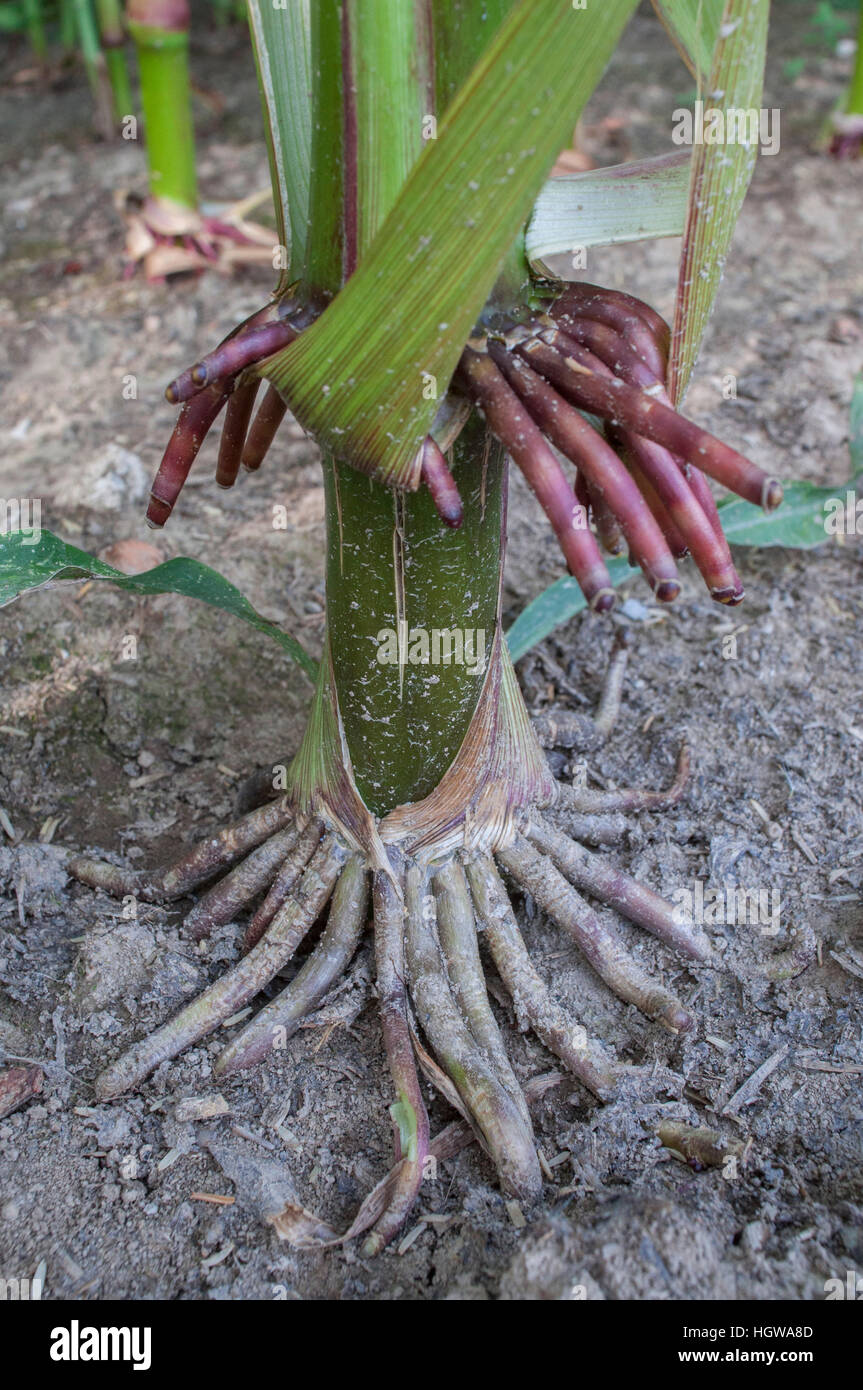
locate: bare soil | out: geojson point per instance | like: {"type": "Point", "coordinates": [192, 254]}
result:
{"type": "Point", "coordinates": [134, 758]}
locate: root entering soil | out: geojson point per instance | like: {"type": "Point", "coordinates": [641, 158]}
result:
{"type": "Point", "coordinates": [428, 916]}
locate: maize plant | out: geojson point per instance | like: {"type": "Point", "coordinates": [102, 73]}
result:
{"type": "Point", "coordinates": [419, 335]}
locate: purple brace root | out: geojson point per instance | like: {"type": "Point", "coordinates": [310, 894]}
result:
{"type": "Point", "coordinates": [190, 431]}
{"type": "Point", "coordinates": [435, 473]}
{"type": "Point", "coordinates": [566, 363]}
{"type": "Point", "coordinates": [604, 472]}
{"type": "Point", "coordinates": [271, 413]}
{"type": "Point", "coordinates": [231, 357]}
{"type": "Point", "coordinates": [513, 425]}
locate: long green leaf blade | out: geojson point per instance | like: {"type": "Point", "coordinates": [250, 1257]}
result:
{"type": "Point", "coordinates": [693, 26]}
{"type": "Point", "coordinates": [641, 200]}
{"type": "Point", "coordinates": [25, 567]}
{"type": "Point", "coordinates": [280, 37]}
{"type": "Point", "coordinates": [363, 378]}
{"type": "Point", "coordinates": [720, 177]}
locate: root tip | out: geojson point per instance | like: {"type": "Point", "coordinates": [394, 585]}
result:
{"type": "Point", "coordinates": [731, 597]}
{"type": "Point", "coordinates": [678, 1020]}
{"type": "Point", "coordinates": [603, 601]}
{"type": "Point", "coordinates": [668, 590]}
{"type": "Point", "coordinates": [158, 512]}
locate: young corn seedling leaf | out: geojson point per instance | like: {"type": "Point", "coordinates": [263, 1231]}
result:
{"type": "Point", "coordinates": [799, 524]}
{"type": "Point", "coordinates": [693, 26]}
{"type": "Point", "coordinates": [720, 176]}
{"type": "Point", "coordinates": [556, 605]}
{"type": "Point", "coordinates": [358, 379]}
{"type": "Point", "coordinates": [25, 566]}
{"type": "Point", "coordinates": [641, 200]}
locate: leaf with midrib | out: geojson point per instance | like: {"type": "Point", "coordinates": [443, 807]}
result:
{"type": "Point", "coordinates": [25, 567]}
{"type": "Point", "coordinates": [720, 176]}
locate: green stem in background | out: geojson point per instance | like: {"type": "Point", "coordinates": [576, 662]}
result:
{"type": "Point", "coordinates": [325, 240]}
{"type": "Point", "coordinates": [462, 30]}
{"type": "Point", "coordinates": [854, 99]}
{"type": "Point", "coordinates": [113, 39]}
{"type": "Point", "coordinates": [160, 29]}
{"type": "Point", "coordinates": [94, 62]}
{"type": "Point", "coordinates": [67, 25]}
{"type": "Point", "coordinates": [388, 48]}
{"type": "Point", "coordinates": [36, 28]}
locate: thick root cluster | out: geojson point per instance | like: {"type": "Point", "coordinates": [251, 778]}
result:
{"type": "Point", "coordinates": [642, 482]}
{"type": "Point", "coordinates": [429, 918]}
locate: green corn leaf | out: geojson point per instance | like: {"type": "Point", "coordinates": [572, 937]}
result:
{"type": "Point", "coordinates": [280, 38]}
{"type": "Point", "coordinates": [363, 378]}
{"type": "Point", "coordinates": [798, 524]}
{"type": "Point", "coordinates": [555, 605]}
{"type": "Point", "coordinates": [638, 201]}
{"type": "Point", "coordinates": [693, 26]}
{"type": "Point", "coordinates": [25, 566]}
{"type": "Point", "coordinates": [719, 180]}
